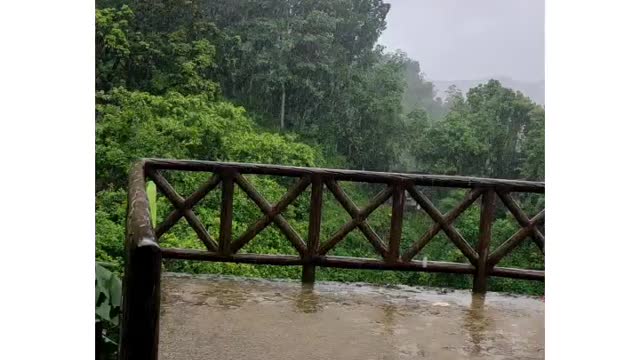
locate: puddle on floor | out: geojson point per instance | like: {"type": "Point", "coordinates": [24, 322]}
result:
{"type": "Point", "coordinates": [216, 317]}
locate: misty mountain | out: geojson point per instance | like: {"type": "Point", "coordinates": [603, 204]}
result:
{"type": "Point", "coordinates": [534, 90]}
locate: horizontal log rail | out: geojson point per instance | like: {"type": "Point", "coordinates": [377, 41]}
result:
{"type": "Point", "coordinates": [227, 175]}
{"type": "Point", "coordinates": [143, 263]}
{"type": "Point", "coordinates": [348, 175]}
{"type": "Point", "coordinates": [345, 262]}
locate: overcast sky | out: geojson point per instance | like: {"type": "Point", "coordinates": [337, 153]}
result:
{"type": "Point", "coordinates": [470, 39]}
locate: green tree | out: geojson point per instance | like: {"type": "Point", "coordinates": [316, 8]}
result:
{"type": "Point", "coordinates": [133, 125]}
{"type": "Point", "coordinates": [533, 146]}
{"type": "Point", "coordinates": [300, 65]}
{"type": "Point", "coordinates": [419, 93]}
{"type": "Point", "coordinates": [129, 54]}
{"type": "Point", "coordinates": [486, 134]}
{"type": "Point", "coordinates": [249, 81]}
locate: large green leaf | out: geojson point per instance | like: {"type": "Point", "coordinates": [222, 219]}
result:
{"type": "Point", "coordinates": [102, 274]}
{"type": "Point", "coordinates": [103, 311]}
{"type": "Point", "coordinates": [151, 195]}
{"type": "Point", "coordinates": [115, 290]}
{"type": "Point", "coordinates": [108, 295]}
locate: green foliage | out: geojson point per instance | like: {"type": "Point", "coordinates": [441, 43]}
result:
{"type": "Point", "coordinates": [495, 132]}
{"type": "Point", "coordinates": [111, 210]}
{"type": "Point", "coordinates": [420, 94]}
{"type": "Point", "coordinates": [113, 47]}
{"type": "Point", "coordinates": [108, 295]}
{"type": "Point", "coordinates": [295, 83]}
{"type": "Point", "coordinates": [311, 67]}
{"type": "Point", "coordinates": [268, 148]}
{"type": "Point", "coordinates": [133, 125]}
{"type": "Point", "coordinates": [533, 146]}
{"type": "Point", "coordinates": [179, 58]}
{"type": "Point", "coordinates": [108, 304]}
{"type": "Point", "coordinates": [153, 207]}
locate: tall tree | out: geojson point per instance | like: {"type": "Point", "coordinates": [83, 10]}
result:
{"type": "Point", "coordinates": [419, 93]}
{"type": "Point", "coordinates": [486, 134]}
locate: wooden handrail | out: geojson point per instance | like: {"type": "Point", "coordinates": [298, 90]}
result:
{"type": "Point", "coordinates": [139, 333]}
{"type": "Point", "coordinates": [348, 175]}
{"type": "Point", "coordinates": [398, 184]}
{"type": "Point", "coordinates": [139, 329]}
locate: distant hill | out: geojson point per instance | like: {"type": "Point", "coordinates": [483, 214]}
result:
{"type": "Point", "coordinates": [534, 90]}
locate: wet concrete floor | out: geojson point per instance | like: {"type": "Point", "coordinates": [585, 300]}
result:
{"type": "Point", "coordinates": [212, 317]}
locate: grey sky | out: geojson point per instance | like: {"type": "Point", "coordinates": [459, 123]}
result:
{"type": "Point", "coordinates": [470, 39]}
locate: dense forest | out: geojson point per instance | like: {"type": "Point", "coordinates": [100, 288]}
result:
{"type": "Point", "coordinates": [297, 83]}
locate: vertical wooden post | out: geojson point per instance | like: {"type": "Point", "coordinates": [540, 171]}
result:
{"type": "Point", "coordinates": [139, 326]}
{"type": "Point", "coordinates": [226, 213]}
{"type": "Point", "coordinates": [141, 304]}
{"type": "Point", "coordinates": [395, 233]}
{"type": "Point", "coordinates": [99, 347]}
{"type": "Point", "coordinates": [313, 238]}
{"type": "Point", "coordinates": [487, 211]}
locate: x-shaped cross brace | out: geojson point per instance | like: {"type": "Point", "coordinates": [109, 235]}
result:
{"type": "Point", "coordinates": [184, 208]}
{"type": "Point", "coordinates": [443, 222]}
{"type": "Point", "coordinates": [358, 218]}
{"type": "Point", "coordinates": [271, 213]}
{"type": "Point", "coordinates": [528, 228]}
{"type": "Point", "coordinates": [521, 217]}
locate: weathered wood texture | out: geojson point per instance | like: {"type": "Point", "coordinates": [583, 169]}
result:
{"type": "Point", "coordinates": [356, 221]}
{"type": "Point", "coordinates": [453, 234]}
{"type": "Point", "coordinates": [395, 233]}
{"type": "Point", "coordinates": [451, 216]}
{"type": "Point", "coordinates": [139, 334]}
{"type": "Point", "coordinates": [348, 175]}
{"type": "Point", "coordinates": [179, 203]}
{"type": "Point", "coordinates": [487, 212]}
{"type": "Point", "coordinates": [313, 237]}
{"type": "Point", "coordinates": [515, 240]}
{"type": "Point", "coordinates": [141, 295]}
{"type": "Point", "coordinates": [268, 210]}
{"type": "Point", "coordinates": [189, 203]}
{"type": "Point", "coordinates": [357, 215]}
{"type": "Point", "coordinates": [226, 213]}
{"type": "Point", "coordinates": [521, 217]}
{"type": "Point", "coordinates": [314, 252]}
{"type": "Point", "coordinates": [272, 214]}
{"type": "Point", "coordinates": [350, 263]}
{"type": "Point", "coordinates": [141, 284]}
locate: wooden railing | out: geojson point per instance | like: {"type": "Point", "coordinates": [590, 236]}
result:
{"type": "Point", "coordinates": [139, 333]}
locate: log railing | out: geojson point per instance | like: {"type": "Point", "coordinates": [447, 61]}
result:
{"type": "Point", "coordinates": [143, 264]}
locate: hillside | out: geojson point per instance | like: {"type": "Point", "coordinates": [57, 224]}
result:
{"type": "Point", "coordinates": [534, 90]}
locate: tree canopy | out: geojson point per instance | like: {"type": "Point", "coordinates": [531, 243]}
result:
{"type": "Point", "coordinates": [294, 83]}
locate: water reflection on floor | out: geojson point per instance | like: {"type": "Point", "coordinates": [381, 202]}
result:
{"type": "Point", "coordinates": [230, 318]}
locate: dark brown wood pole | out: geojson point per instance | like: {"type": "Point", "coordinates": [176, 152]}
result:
{"type": "Point", "coordinates": [343, 262]}
{"type": "Point", "coordinates": [141, 304]}
{"type": "Point", "coordinates": [348, 175]}
{"type": "Point", "coordinates": [143, 255]}
{"type": "Point", "coordinates": [487, 211]}
{"type": "Point", "coordinates": [139, 329]}
{"type": "Point", "coordinates": [226, 213]}
{"type": "Point", "coordinates": [521, 217]}
{"type": "Point", "coordinates": [417, 246]}
{"type": "Point", "coordinates": [313, 239]}
{"type": "Point", "coordinates": [395, 233]}
{"type": "Point", "coordinates": [289, 232]}
{"type": "Point", "coordinates": [270, 215]}
{"type": "Point", "coordinates": [179, 203]}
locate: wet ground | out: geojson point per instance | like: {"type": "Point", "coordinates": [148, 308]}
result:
{"type": "Point", "coordinates": [230, 318]}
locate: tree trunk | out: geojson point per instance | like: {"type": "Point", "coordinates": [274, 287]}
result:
{"type": "Point", "coordinates": [282, 103]}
